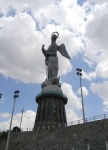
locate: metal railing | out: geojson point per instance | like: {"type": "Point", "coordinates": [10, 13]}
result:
{"type": "Point", "coordinates": [22, 129]}
{"type": "Point", "coordinates": [91, 119]}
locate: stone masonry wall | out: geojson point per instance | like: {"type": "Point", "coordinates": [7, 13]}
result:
{"type": "Point", "coordinates": [81, 134]}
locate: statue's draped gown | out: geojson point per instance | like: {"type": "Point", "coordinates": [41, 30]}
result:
{"type": "Point", "coordinates": [52, 62]}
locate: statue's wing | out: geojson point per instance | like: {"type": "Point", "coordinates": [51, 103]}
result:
{"type": "Point", "coordinates": [63, 51]}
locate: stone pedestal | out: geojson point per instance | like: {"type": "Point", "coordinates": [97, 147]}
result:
{"type": "Point", "coordinates": [51, 108]}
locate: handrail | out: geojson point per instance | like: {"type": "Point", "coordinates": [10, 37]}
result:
{"type": "Point", "coordinates": [90, 119]}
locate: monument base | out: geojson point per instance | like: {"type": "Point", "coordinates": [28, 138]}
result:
{"type": "Point", "coordinates": [51, 108]}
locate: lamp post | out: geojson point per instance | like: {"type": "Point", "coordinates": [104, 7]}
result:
{"type": "Point", "coordinates": [0, 95]}
{"type": "Point", "coordinates": [15, 96]}
{"type": "Point", "coordinates": [21, 117]}
{"type": "Point", "coordinates": [79, 72]}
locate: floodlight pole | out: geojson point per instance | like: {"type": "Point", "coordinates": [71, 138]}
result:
{"type": "Point", "coordinates": [0, 95]}
{"type": "Point", "coordinates": [79, 72]}
{"type": "Point", "coordinates": [21, 117]}
{"type": "Point", "coordinates": [15, 96]}
{"type": "Point", "coordinates": [82, 101]}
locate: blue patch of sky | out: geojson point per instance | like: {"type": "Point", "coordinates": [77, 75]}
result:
{"type": "Point", "coordinates": [87, 10]}
{"type": "Point", "coordinates": [52, 21]}
{"type": "Point", "coordinates": [1, 14]}
{"type": "Point", "coordinates": [11, 12]}
{"type": "Point", "coordinates": [72, 77]}
{"type": "Point", "coordinates": [26, 98]}
{"type": "Point", "coordinates": [78, 62]}
{"type": "Point", "coordinates": [100, 80]}
{"type": "Point", "coordinates": [4, 119]}
{"type": "Point", "coordinates": [56, 2]}
{"type": "Point", "coordinates": [38, 25]}
{"type": "Point", "coordinates": [93, 105]}
{"type": "Point", "coordinates": [81, 2]}
{"type": "Point", "coordinates": [42, 27]}
{"type": "Point", "coordinates": [29, 12]}
{"type": "Point", "coordinates": [92, 100]}
{"type": "Point", "coordinates": [85, 19]}
{"type": "Point", "coordinates": [1, 28]}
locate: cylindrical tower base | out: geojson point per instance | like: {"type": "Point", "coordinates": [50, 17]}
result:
{"type": "Point", "coordinates": [51, 109]}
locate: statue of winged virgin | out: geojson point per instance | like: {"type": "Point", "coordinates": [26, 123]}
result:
{"type": "Point", "coordinates": [51, 59]}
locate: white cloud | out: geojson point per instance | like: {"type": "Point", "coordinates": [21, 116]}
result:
{"type": "Point", "coordinates": [71, 116]}
{"type": "Point", "coordinates": [21, 56]}
{"type": "Point", "coordinates": [73, 101]}
{"type": "Point", "coordinates": [98, 1]}
{"type": "Point", "coordinates": [20, 6]}
{"type": "Point", "coordinates": [102, 69]}
{"type": "Point", "coordinates": [73, 104]}
{"type": "Point", "coordinates": [101, 90]}
{"type": "Point", "coordinates": [4, 115]}
{"type": "Point", "coordinates": [27, 121]}
{"type": "Point", "coordinates": [88, 62]}
{"type": "Point", "coordinates": [89, 75]}
{"type": "Point", "coordinates": [82, 29]}
{"type": "Point", "coordinates": [96, 30]}
{"type": "Point", "coordinates": [84, 90]}
{"type": "Point", "coordinates": [19, 50]}
{"type": "Point", "coordinates": [95, 37]}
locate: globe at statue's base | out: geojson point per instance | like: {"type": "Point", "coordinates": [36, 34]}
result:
{"type": "Point", "coordinates": [51, 108]}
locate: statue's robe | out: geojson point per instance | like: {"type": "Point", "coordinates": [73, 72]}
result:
{"type": "Point", "coordinates": [52, 62]}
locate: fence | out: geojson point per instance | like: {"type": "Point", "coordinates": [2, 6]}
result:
{"type": "Point", "coordinates": [22, 129]}
{"type": "Point", "coordinates": [91, 119]}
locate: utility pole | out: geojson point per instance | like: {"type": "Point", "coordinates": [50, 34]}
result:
{"type": "Point", "coordinates": [0, 95]}
{"type": "Point", "coordinates": [79, 72]}
{"type": "Point", "coordinates": [8, 138]}
{"type": "Point", "coordinates": [21, 117]}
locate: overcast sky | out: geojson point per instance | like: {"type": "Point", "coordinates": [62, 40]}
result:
{"type": "Point", "coordinates": [24, 27]}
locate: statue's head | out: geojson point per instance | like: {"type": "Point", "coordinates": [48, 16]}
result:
{"type": "Point", "coordinates": [54, 35]}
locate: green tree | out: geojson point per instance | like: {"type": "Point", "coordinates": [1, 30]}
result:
{"type": "Point", "coordinates": [16, 129]}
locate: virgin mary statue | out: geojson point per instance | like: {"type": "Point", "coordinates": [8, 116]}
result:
{"type": "Point", "coordinates": [51, 59]}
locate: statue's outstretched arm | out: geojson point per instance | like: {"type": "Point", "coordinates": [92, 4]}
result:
{"type": "Point", "coordinates": [63, 51]}
{"type": "Point", "coordinates": [44, 51]}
